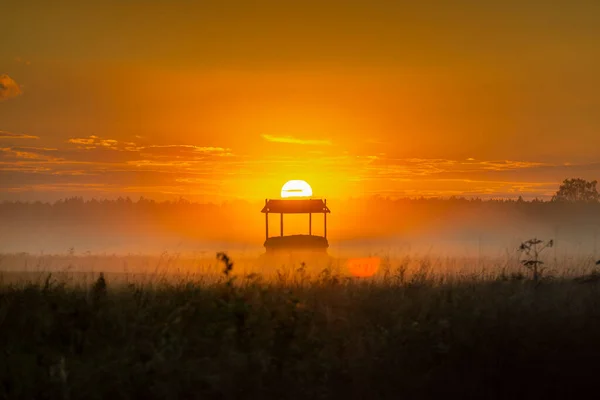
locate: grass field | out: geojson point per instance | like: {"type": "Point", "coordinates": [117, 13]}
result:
{"type": "Point", "coordinates": [419, 328]}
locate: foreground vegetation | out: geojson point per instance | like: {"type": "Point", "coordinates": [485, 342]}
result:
{"type": "Point", "coordinates": [294, 336]}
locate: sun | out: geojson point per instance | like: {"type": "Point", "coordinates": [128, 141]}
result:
{"type": "Point", "coordinates": [296, 188]}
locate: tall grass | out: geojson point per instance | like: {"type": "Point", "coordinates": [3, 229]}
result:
{"type": "Point", "coordinates": [410, 332]}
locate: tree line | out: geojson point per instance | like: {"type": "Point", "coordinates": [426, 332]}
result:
{"type": "Point", "coordinates": [574, 208]}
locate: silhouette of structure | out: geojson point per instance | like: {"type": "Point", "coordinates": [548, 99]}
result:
{"type": "Point", "coordinates": [308, 242]}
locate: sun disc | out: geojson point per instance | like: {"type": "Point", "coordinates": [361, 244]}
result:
{"type": "Point", "coordinates": [296, 188]}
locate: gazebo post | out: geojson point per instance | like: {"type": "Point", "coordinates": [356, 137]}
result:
{"type": "Point", "coordinates": [310, 224]}
{"type": "Point", "coordinates": [325, 221]}
{"type": "Point", "coordinates": [281, 223]}
{"type": "Point", "coordinates": [266, 221]}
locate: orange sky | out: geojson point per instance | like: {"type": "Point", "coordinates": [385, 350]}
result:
{"type": "Point", "coordinates": [223, 99]}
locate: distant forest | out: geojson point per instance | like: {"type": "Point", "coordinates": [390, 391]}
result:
{"type": "Point", "coordinates": [569, 215]}
{"type": "Point", "coordinates": [353, 217]}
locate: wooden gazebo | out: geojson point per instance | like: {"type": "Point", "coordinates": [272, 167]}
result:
{"type": "Point", "coordinates": [296, 242]}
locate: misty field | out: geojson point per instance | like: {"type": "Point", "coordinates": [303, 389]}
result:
{"type": "Point", "coordinates": [419, 328]}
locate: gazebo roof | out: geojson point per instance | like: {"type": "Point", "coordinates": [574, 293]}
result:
{"type": "Point", "coordinates": [296, 206]}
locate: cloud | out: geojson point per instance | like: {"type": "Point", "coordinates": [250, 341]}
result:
{"type": "Point", "coordinates": [87, 141]}
{"type": "Point", "coordinates": [172, 168]}
{"type": "Point", "coordinates": [35, 148]}
{"type": "Point", "coordinates": [8, 87]}
{"type": "Point", "coordinates": [198, 149]}
{"type": "Point", "coordinates": [152, 163]}
{"type": "Point", "coordinates": [293, 140]}
{"type": "Point", "coordinates": [408, 167]}
{"type": "Point", "coordinates": [10, 152]}
{"type": "Point", "coordinates": [509, 165]}
{"type": "Point", "coordinates": [10, 135]}
{"type": "Point", "coordinates": [27, 153]}
{"type": "Point", "coordinates": [422, 166]}
{"type": "Point", "coordinates": [92, 142]}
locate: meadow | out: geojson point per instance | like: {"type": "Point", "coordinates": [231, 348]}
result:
{"type": "Point", "coordinates": [421, 327]}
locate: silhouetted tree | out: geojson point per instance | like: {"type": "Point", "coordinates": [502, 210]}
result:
{"type": "Point", "coordinates": [577, 190]}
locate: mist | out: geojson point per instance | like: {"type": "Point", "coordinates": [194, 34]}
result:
{"type": "Point", "coordinates": [374, 226]}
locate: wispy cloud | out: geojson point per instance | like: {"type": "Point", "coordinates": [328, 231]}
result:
{"type": "Point", "coordinates": [19, 154]}
{"type": "Point", "coordinates": [36, 148]}
{"type": "Point", "coordinates": [8, 87]}
{"type": "Point", "coordinates": [11, 135]}
{"type": "Point", "coordinates": [92, 142]}
{"type": "Point", "coordinates": [423, 166]}
{"type": "Point", "coordinates": [121, 165]}
{"type": "Point", "coordinates": [153, 163]}
{"type": "Point", "coordinates": [508, 165]}
{"type": "Point", "coordinates": [27, 153]}
{"type": "Point", "coordinates": [198, 149]}
{"type": "Point", "coordinates": [293, 140]}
